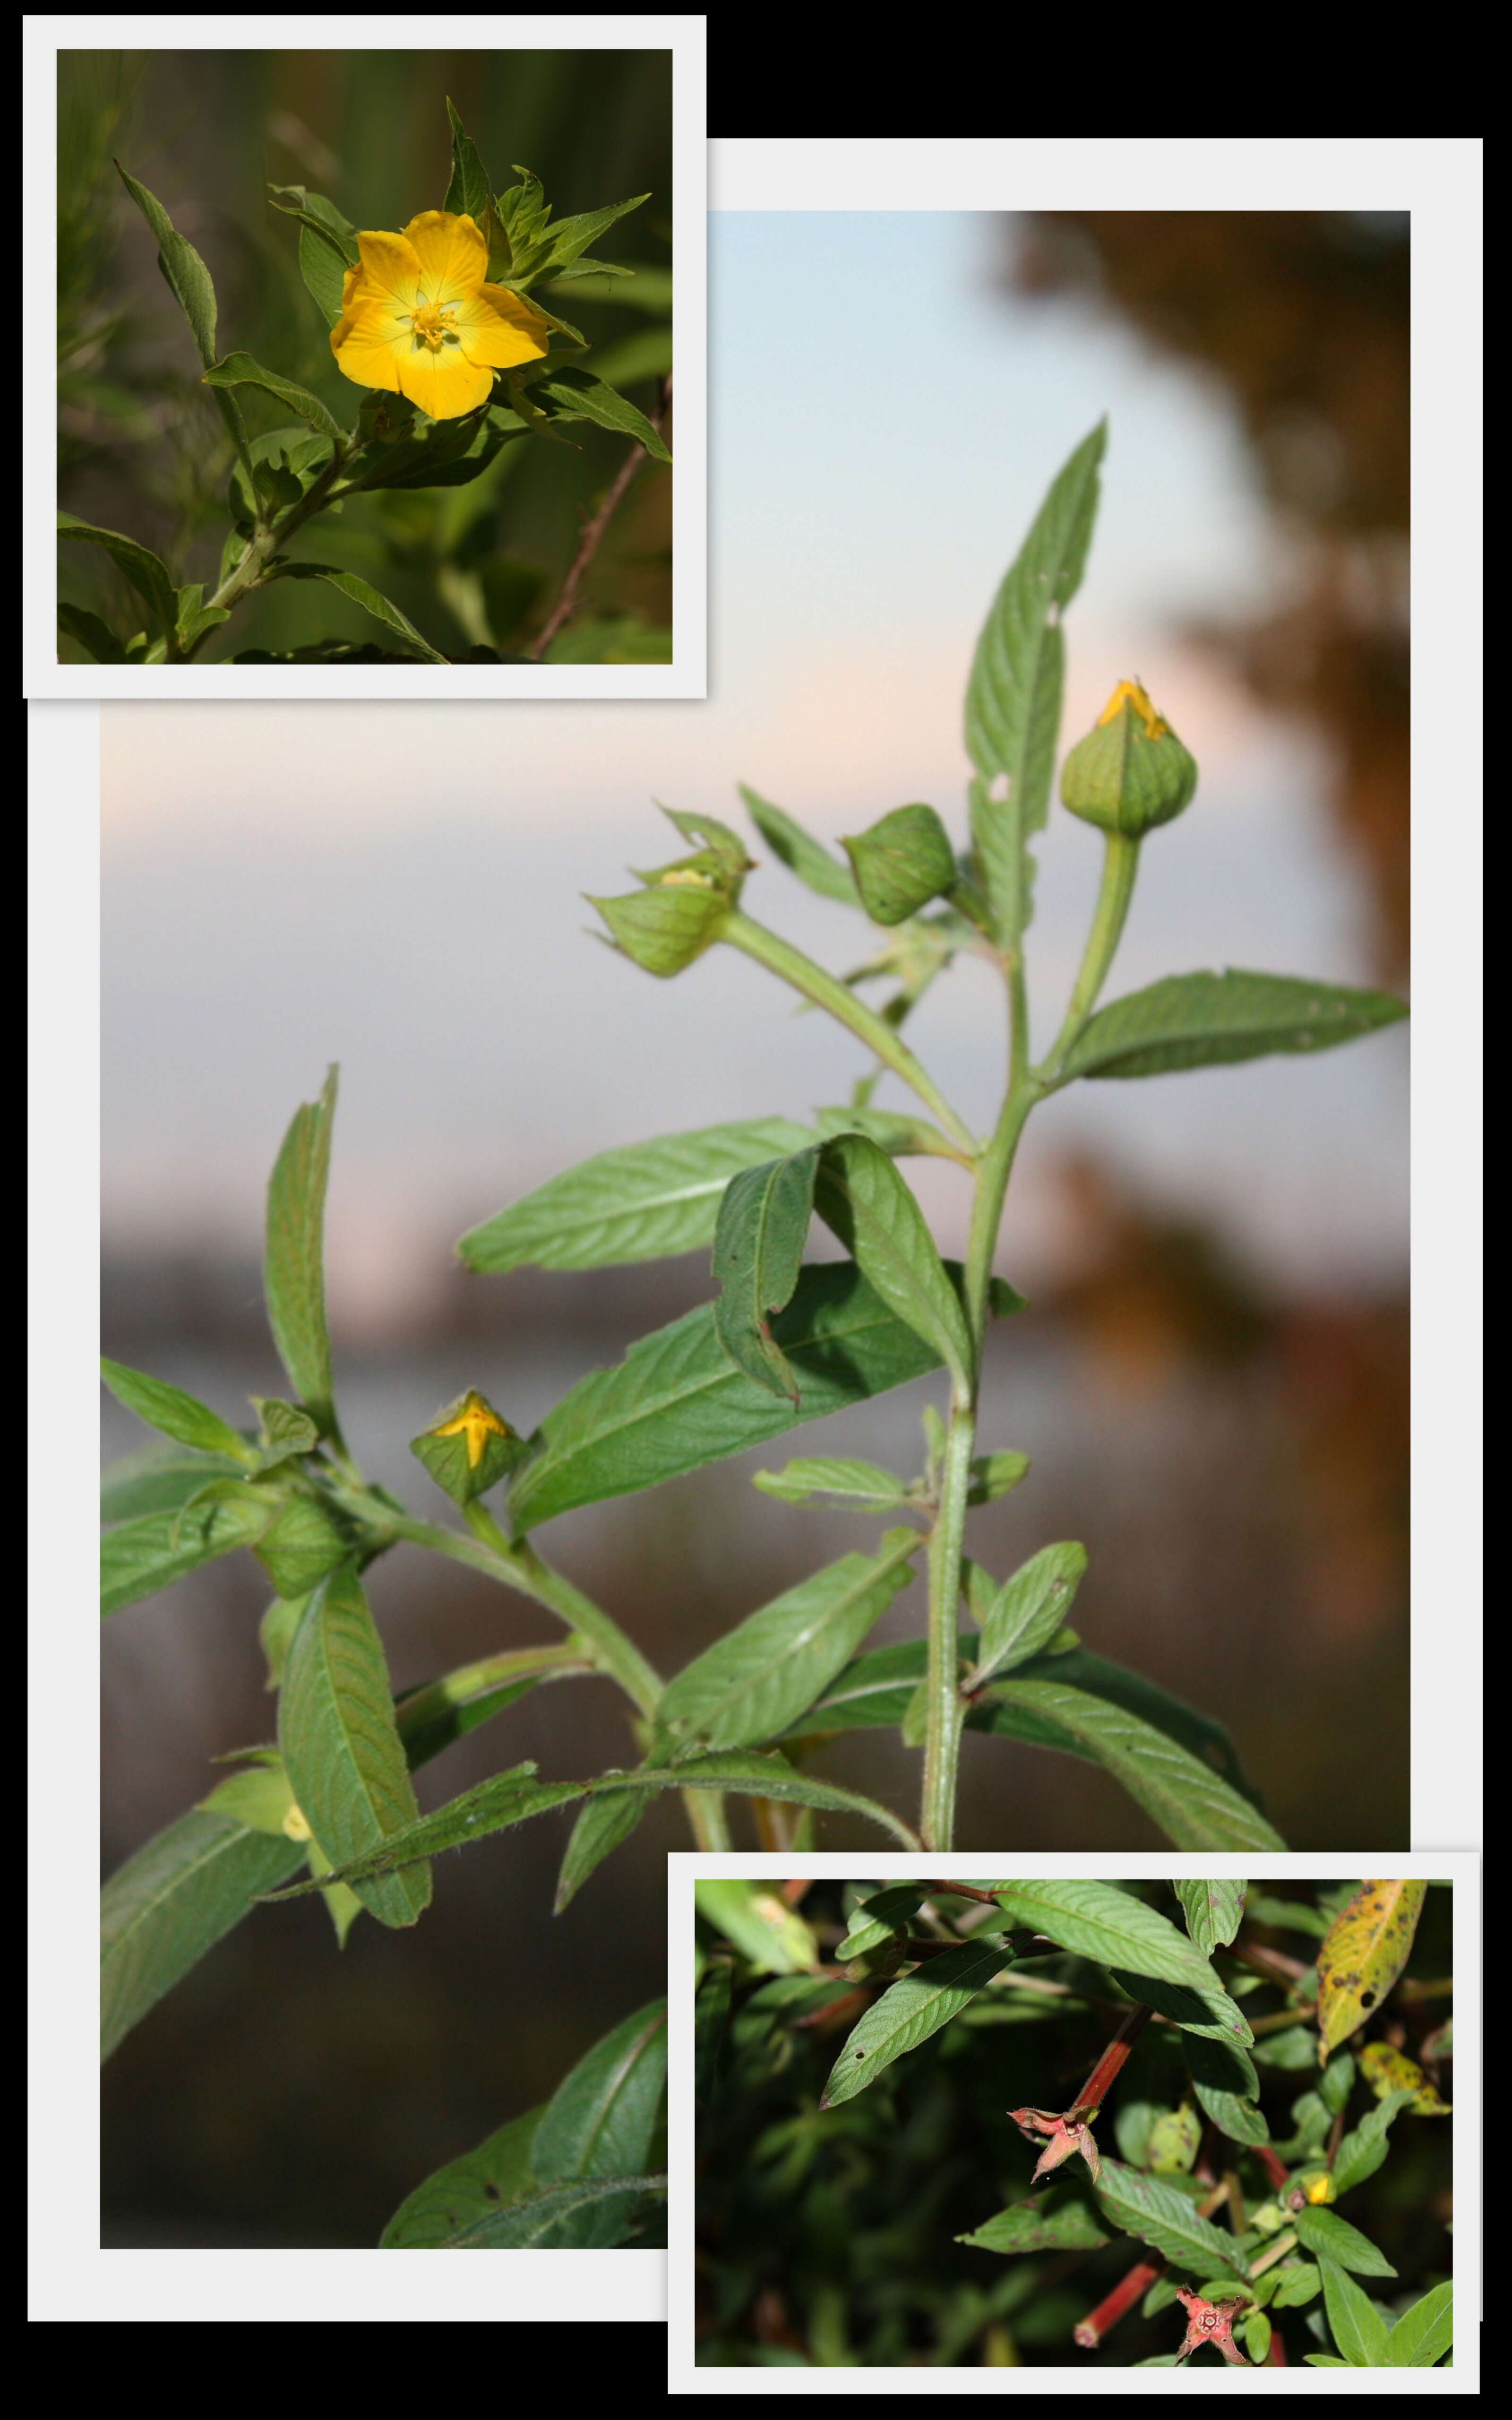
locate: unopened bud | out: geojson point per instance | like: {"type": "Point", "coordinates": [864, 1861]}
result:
{"type": "Point", "coordinates": [1131, 772]}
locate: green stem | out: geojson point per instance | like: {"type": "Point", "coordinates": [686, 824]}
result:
{"type": "Point", "coordinates": [944, 1711]}
{"type": "Point", "coordinates": [265, 543]}
{"type": "Point", "coordinates": [781, 959]}
{"type": "Point", "coordinates": [1120, 863]}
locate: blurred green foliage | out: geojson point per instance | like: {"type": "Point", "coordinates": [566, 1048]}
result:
{"type": "Point", "coordinates": [142, 447]}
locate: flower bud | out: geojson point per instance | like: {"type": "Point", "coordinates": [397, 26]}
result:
{"type": "Point", "coordinates": [1131, 772]}
{"type": "Point", "coordinates": [468, 1448]}
{"type": "Point", "coordinates": [901, 862]}
{"type": "Point", "coordinates": [680, 911]}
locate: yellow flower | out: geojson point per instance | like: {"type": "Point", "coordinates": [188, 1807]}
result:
{"type": "Point", "coordinates": [418, 319]}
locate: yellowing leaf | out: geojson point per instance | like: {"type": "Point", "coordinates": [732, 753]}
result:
{"type": "Point", "coordinates": [1389, 2070]}
{"type": "Point", "coordinates": [1367, 1947]}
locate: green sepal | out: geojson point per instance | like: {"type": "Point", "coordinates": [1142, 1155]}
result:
{"type": "Point", "coordinates": [901, 862]}
{"type": "Point", "coordinates": [449, 1459]}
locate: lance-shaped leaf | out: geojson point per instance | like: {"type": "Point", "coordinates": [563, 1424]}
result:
{"type": "Point", "coordinates": [1161, 2215]}
{"type": "Point", "coordinates": [166, 1906]}
{"type": "Point", "coordinates": [401, 630]}
{"type": "Point", "coordinates": [239, 369]}
{"type": "Point", "coordinates": [177, 1415]}
{"type": "Point", "coordinates": [1363, 2149]}
{"type": "Point", "coordinates": [1216, 2079]}
{"type": "Point", "coordinates": [455, 2197]}
{"type": "Point", "coordinates": [314, 210]}
{"type": "Point", "coordinates": [1330, 2238]}
{"type": "Point", "coordinates": [638, 1204]}
{"type": "Point", "coordinates": [570, 238]}
{"type": "Point", "coordinates": [437, 1714]}
{"type": "Point", "coordinates": [159, 1479]}
{"type": "Point", "coordinates": [799, 852]}
{"type": "Point", "coordinates": [97, 639]}
{"type": "Point", "coordinates": [1425, 2333]}
{"type": "Point", "coordinates": [1214, 1910]}
{"type": "Point", "coordinates": [1193, 1808]}
{"type": "Point", "coordinates": [468, 191]}
{"type": "Point", "coordinates": [1099, 1677]}
{"type": "Point", "coordinates": [147, 572]}
{"type": "Point", "coordinates": [189, 283]}
{"type": "Point", "coordinates": [833, 1481]}
{"type": "Point", "coordinates": [676, 1403]}
{"type": "Point", "coordinates": [1100, 1923]}
{"type": "Point", "coordinates": [602, 2121]}
{"type": "Point", "coordinates": [578, 395]}
{"type": "Point", "coordinates": [503, 1800]}
{"type": "Point", "coordinates": [1023, 1615]}
{"type": "Point", "coordinates": [912, 2010]}
{"type": "Point", "coordinates": [1062, 2220]}
{"type": "Point", "coordinates": [758, 1252]}
{"type": "Point", "coordinates": [1014, 695]}
{"type": "Point", "coordinates": [323, 267]}
{"type": "Point", "coordinates": [901, 862]}
{"type": "Point", "coordinates": [293, 1266]}
{"type": "Point", "coordinates": [1358, 2327]}
{"type": "Point", "coordinates": [1214, 1020]}
{"type": "Point", "coordinates": [603, 1826]}
{"type": "Point", "coordinates": [138, 1558]}
{"type": "Point", "coordinates": [532, 2221]}
{"type": "Point", "coordinates": [1210, 2013]}
{"type": "Point", "coordinates": [879, 1918]}
{"type": "Point", "coordinates": [341, 1745]}
{"type": "Point", "coordinates": [752, 1683]}
{"type": "Point", "coordinates": [745, 1773]}
{"type": "Point", "coordinates": [759, 1922]}
{"type": "Point", "coordinates": [861, 1198]}
{"type": "Point", "coordinates": [1368, 1944]}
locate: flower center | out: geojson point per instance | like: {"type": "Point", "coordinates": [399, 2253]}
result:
{"type": "Point", "coordinates": [432, 324]}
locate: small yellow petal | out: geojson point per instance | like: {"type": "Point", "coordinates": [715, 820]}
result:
{"type": "Point", "coordinates": [452, 256]}
{"type": "Point", "coordinates": [391, 264]}
{"type": "Point", "coordinates": [1134, 693]}
{"type": "Point", "coordinates": [500, 330]}
{"type": "Point", "coordinates": [443, 383]}
{"type": "Point", "coordinates": [295, 1824]}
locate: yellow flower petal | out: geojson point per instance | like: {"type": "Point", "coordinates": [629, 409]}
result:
{"type": "Point", "coordinates": [498, 329]}
{"type": "Point", "coordinates": [369, 342]}
{"type": "Point", "coordinates": [389, 263]}
{"type": "Point", "coordinates": [443, 383]}
{"type": "Point", "coordinates": [452, 256]}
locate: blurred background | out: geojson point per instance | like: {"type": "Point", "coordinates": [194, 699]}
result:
{"type": "Point", "coordinates": [1211, 1377]}
{"type": "Point", "coordinates": [141, 445]}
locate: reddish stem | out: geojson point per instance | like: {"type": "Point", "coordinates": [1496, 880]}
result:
{"type": "Point", "coordinates": [1095, 2090]}
{"type": "Point", "coordinates": [1130, 2290]}
{"type": "Point", "coordinates": [1274, 2168]}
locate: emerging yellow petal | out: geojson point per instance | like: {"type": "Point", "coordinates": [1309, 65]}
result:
{"type": "Point", "coordinates": [1136, 694]}
{"type": "Point", "coordinates": [418, 319]}
{"type": "Point", "coordinates": [477, 1421]}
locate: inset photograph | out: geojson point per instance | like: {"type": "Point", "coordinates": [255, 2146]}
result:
{"type": "Point", "coordinates": [364, 365]}
{"type": "Point", "coordinates": [1065, 2123]}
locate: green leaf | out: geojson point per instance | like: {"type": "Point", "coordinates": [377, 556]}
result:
{"type": "Point", "coordinates": [305, 1539]}
{"type": "Point", "coordinates": [1102, 1678]}
{"type": "Point", "coordinates": [1026, 1611]}
{"type": "Point", "coordinates": [910, 2010]}
{"type": "Point", "coordinates": [752, 1683]}
{"type": "Point", "coordinates": [742, 1771]}
{"type": "Point", "coordinates": [147, 572]}
{"type": "Point", "coordinates": [676, 1403]}
{"type": "Point", "coordinates": [1014, 695]}
{"type": "Point", "coordinates": [177, 1415]}
{"type": "Point", "coordinates": [1364, 2151]}
{"type": "Point", "coordinates": [400, 630]}
{"type": "Point", "coordinates": [1367, 1946]}
{"type": "Point", "coordinates": [901, 862]}
{"type": "Point", "coordinates": [1098, 1921]}
{"type": "Point", "coordinates": [1161, 2215]}
{"type": "Point", "coordinates": [187, 275]}
{"type": "Point", "coordinates": [1295, 2285]}
{"type": "Point", "coordinates": [503, 1799]}
{"type": "Point", "coordinates": [439, 1712]}
{"type": "Point", "coordinates": [1359, 2329]}
{"type": "Point", "coordinates": [1424, 2334]}
{"type": "Point", "coordinates": [864, 1201]}
{"type": "Point", "coordinates": [239, 369]}
{"type": "Point", "coordinates": [580, 395]}
{"type": "Point", "coordinates": [758, 1253]}
{"type": "Point", "coordinates": [1331, 2239]}
{"type": "Point", "coordinates": [138, 1558]}
{"type": "Point", "coordinates": [159, 1479]}
{"type": "Point", "coordinates": [323, 267]}
{"type": "Point", "coordinates": [602, 2120]}
{"type": "Point", "coordinates": [1214, 1910]}
{"type": "Point", "coordinates": [94, 636]}
{"type": "Point", "coordinates": [570, 238]}
{"type": "Point", "coordinates": [293, 1267]}
{"type": "Point", "coordinates": [1211, 2065]}
{"type": "Point", "coordinates": [1061, 2220]}
{"type": "Point", "coordinates": [166, 1906]}
{"type": "Point", "coordinates": [534, 2218]}
{"type": "Point", "coordinates": [457, 2196]}
{"type": "Point", "coordinates": [851, 1486]}
{"type": "Point", "coordinates": [760, 1924]}
{"type": "Point", "coordinates": [1209, 2014]}
{"type": "Point", "coordinates": [876, 1920]}
{"type": "Point", "coordinates": [322, 217]}
{"type": "Point", "coordinates": [711, 2014]}
{"type": "Point", "coordinates": [1215, 1020]}
{"type": "Point", "coordinates": [603, 1826]}
{"type": "Point", "coordinates": [639, 1203]}
{"type": "Point", "coordinates": [1193, 1808]}
{"type": "Point", "coordinates": [341, 1744]}
{"type": "Point", "coordinates": [802, 855]}
{"type": "Point", "coordinates": [995, 1474]}
{"type": "Point", "coordinates": [468, 191]}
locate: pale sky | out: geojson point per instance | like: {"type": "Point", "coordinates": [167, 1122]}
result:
{"type": "Point", "coordinates": [397, 886]}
